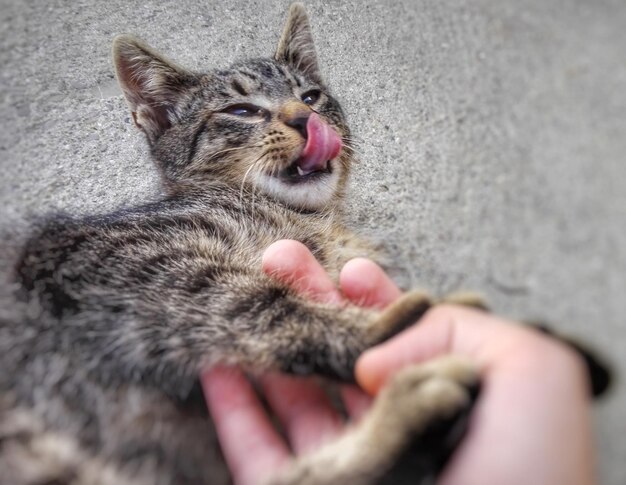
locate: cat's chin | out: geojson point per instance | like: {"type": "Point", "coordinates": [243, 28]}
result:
{"type": "Point", "coordinates": [312, 191]}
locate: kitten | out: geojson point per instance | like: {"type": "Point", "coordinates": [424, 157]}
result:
{"type": "Point", "coordinates": [122, 311]}
{"type": "Point", "coordinates": [119, 313]}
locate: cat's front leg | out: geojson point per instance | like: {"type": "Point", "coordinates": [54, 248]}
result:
{"type": "Point", "coordinates": [407, 436]}
{"type": "Point", "coordinates": [167, 334]}
{"type": "Point", "coordinates": [332, 347]}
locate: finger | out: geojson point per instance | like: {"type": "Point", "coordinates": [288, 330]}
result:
{"type": "Point", "coordinates": [356, 401]}
{"type": "Point", "coordinates": [303, 409]}
{"type": "Point", "coordinates": [252, 447]}
{"type": "Point", "coordinates": [364, 283]}
{"type": "Point", "coordinates": [292, 263]}
{"type": "Point", "coordinates": [443, 330]}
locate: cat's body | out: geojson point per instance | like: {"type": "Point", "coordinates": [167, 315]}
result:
{"type": "Point", "coordinates": [129, 272]}
{"type": "Point", "coordinates": [172, 266]}
{"type": "Point", "coordinates": [121, 312]}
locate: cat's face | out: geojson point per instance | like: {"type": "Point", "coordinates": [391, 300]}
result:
{"type": "Point", "coordinates": [264, 125]}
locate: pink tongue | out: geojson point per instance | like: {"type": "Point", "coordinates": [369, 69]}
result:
{"type": "Point", "coordinates": [322, 144]}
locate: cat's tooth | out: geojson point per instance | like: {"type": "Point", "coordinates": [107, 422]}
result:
{"type": "Point", "coordinates": [301, 172]}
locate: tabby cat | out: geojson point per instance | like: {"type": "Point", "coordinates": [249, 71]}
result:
{"type": "Point", "coordinates": [119, 313]}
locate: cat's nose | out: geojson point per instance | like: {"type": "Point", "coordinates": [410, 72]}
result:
{"type": "Point", "coordinates": [295, 114]}
{"type": "Point", "coordinates": [299, 124]}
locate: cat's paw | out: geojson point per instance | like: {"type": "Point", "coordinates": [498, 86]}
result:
{"type": "Point", "coordinates": [413, 426]}
{"type": "Point", "coordinates": [421, 415]}
{"type": "Point", "coordinates": [411, 306]}
{"type": "Point", "coordinates": [400, 314]}
{"type": "Point", "coordinates": [421, 394]}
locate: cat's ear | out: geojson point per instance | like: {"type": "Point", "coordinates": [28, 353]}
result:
{"type": "Point", "coordinates": [151, 83]}
{"type": "Point", "coordinates": [296, 47]}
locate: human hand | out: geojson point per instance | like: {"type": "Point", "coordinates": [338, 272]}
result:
{"type": "Point", "coordinates": [531, 422]}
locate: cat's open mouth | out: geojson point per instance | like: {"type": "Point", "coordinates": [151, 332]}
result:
{"type": "Point", "coordinates": [295, 174]}
{"type": "Point", "coordinates": [322, 145]}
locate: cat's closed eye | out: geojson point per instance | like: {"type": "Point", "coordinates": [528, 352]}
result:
{"type": "Point", "coordinates": [245, 110]}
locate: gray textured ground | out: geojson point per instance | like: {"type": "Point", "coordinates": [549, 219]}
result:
{"type": "Point", "coordinates": [493, 138]}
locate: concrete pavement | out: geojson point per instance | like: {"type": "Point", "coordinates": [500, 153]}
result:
{"type": "Point", "coordinates": [493, 139]}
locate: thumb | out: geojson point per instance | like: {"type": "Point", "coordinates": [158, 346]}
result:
{"type": "Point", "coordinates": [445, 329]}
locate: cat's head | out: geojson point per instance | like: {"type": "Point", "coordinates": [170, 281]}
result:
{"type": "Point", "coordinates": [266, 125]}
